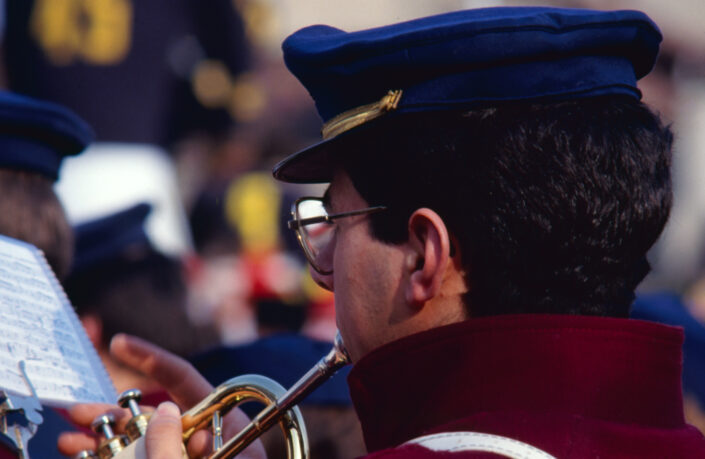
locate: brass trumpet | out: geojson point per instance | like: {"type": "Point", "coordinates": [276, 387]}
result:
{"type": "Point", "coordinates": [281, 408]}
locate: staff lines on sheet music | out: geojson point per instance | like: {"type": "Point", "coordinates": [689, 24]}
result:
{"type": "Point", "coordinates": [27, 297]}
{"type": "Point", "coordinates": [72, 362]}
{"type": "Point", "coordinates": [18, 258]}
{"type": "Point", "coordinates": [64, 374]}
{"type": "Point", "coordinates": [40, 299]}
{"type": "Point", "coordinates": [13, 381]}
{"type": "Point", "coordinates": [40, 371]}
{"type": "Point", "coordinates": [39, 327]}
{"type": "Point", "coordinates": [26, 315]}
{"type": "Point", "coordinates": [13, 329]}
{"type": "Point", "coordinates": [65, 390]}
{"type": "Point", "coordinates": [24, 324]}
{"type": "Point", "coordinates": [46, 350]}
{"type": "Point", "coordinates": [30, 279]}
{"type": "Point", "coordinates": [55, 377]}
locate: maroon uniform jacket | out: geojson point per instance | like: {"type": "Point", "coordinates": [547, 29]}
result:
{"type": "Point", "coordinates": [573, 386]}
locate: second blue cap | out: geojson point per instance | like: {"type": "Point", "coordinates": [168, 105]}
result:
{"type": "Point", "coordinates": [110, 238]}
{"type": "Point", "coordinates": [35, 135]}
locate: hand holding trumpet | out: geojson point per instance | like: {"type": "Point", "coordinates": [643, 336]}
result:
{"type": "Point", "coordinates": [184, 385]}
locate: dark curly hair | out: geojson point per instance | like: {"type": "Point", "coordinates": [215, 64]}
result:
{"type": "Point", "coordinates": [553, 206]}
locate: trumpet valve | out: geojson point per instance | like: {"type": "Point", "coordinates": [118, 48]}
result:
{"type": "Point", "coordinates": [217, 430]}
{"type": "Point", "coordinates": [112, 444]}
{"type": "Point", "coordinates": [137, 425]}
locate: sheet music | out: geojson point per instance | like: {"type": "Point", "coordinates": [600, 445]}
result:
{"type": "Point", "coordinates": [38, 325]}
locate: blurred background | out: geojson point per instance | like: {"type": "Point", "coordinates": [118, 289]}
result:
{"type": "Point", "coordinates": [192, 106]}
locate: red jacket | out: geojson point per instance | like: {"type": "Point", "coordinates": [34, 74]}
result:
{"type": "Point", "coordinates": [573, 386]}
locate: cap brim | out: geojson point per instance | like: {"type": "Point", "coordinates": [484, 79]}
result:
{"type": "Point", "coordinates": [310, 165]}
{"type": "Point", "coordinates": [317, 163]}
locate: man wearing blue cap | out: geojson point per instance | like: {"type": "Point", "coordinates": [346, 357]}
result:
{"type": "Point", "coordinates": [495, 184]}
{"type": "Point", "coordinates": [121, 283]}
{"type": "Point", "coordinates": [35, 136]}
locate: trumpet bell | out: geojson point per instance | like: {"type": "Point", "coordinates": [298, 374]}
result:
{"type": "Point", "coordinates": [235, 392]}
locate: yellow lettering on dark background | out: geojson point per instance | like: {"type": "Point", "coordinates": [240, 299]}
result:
{"type": "Point", "coordinates": [98, 32]}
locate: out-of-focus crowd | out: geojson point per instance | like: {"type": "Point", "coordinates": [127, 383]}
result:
{"type": "Point", "coordinates": [178, 227]}
{"type": "Point", "coordinates": [187, 115]}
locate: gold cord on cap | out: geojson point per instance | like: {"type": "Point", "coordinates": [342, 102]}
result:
{"type": "Point", "coordinates": [361, 115]}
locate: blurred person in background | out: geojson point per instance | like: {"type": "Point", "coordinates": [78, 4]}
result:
{"type": "Point", "coordinates": [35, 137]}
{"type": "Point", "coordinates": [244, 255]}
{"type": "Point", "coordinates": [120, 283]}
{"type": "Point", "coordinates": [238, 215]}
{"type": "Point", "coordinates": [149, 77]}
{"type": "Point", "coordinates": [670, 308]}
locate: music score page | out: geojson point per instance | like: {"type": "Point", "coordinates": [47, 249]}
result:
{"type": "Point", "coordinates": [39, 326]}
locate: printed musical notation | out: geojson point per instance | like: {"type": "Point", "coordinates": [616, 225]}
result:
{"type": "Point", "coordinates": [38, 325]}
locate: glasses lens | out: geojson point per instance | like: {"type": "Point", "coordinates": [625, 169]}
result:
{"type": "Point", "coordinates": [315, 236]}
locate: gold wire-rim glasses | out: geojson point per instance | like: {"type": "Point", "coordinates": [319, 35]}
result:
{"type": "Point", "coordinates": [296, 224]}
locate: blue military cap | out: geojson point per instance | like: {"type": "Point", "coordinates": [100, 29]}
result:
{"type": "Point", "coordinates": [462, 60]}
{"type": "Point", "coordinates": [36, 135]}
{"type": "Point", "coordinates": [111, 238]}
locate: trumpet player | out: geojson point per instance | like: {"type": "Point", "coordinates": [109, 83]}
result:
{"type": "Point", "coordinates": [495, 184]}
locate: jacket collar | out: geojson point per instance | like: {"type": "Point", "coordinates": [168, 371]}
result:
{"type": "Point", "coordinates": [619, 370]}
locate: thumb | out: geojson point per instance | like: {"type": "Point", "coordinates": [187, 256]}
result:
{"type": "Point", "coordinates": [163, 438]}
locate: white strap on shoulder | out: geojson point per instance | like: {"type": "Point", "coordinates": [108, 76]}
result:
{"type": "Point", "coordinates": [476, 441]}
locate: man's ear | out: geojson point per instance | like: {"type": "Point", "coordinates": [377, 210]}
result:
{"type": "Point", "coordinates": [429, 253]}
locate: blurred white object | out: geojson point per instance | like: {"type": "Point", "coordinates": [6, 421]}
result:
{"type": "Point", "coordinates": [109, 177]}
{"type": "Point", "coordinates": [682, 245]}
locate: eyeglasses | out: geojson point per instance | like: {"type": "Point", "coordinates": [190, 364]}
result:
{"type": "Point", "coordinates": [315, 227]}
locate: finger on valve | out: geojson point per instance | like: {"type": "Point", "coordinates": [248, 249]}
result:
{"type": "Point", "coordinates": [83, 415]}
{"type": "Point", "coordinates": [72, 443]}
{"type": "Point", "coordinates": [163, 438]}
